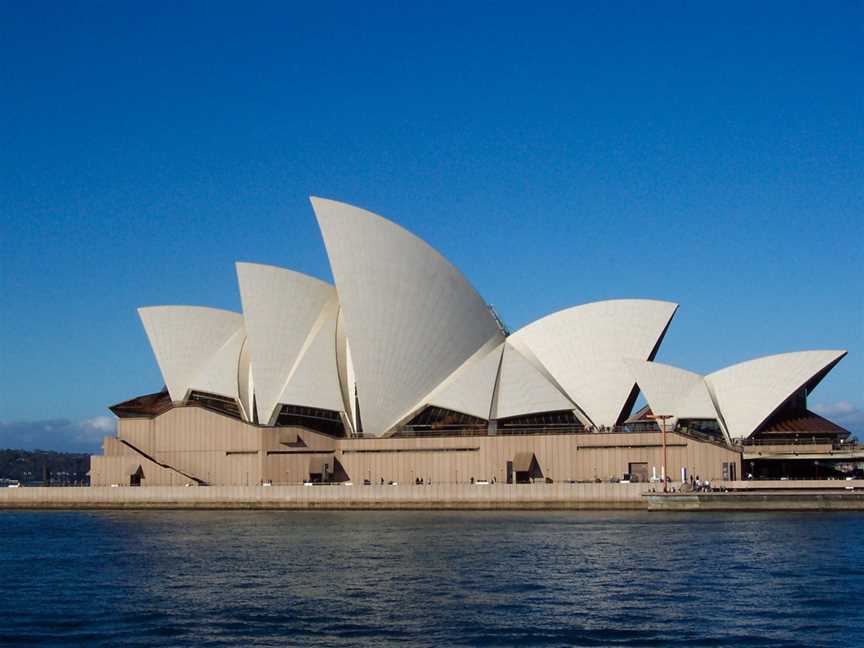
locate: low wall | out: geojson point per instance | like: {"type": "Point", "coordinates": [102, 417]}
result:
{"type": "Point", "coordinates": [744, 501]}
{"type": "Point", "coordinates": [436, 496]}
{"type": "Point", "coordinates": [768, 495]}
{"type": "Point", "coordinates": [765, 495]}
{"type": "Point", "coordinates": [793, 485]}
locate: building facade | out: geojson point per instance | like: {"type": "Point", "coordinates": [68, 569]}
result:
{"type": "Point", "coordinates": [402, 372]}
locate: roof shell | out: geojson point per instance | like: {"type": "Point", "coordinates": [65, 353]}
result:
{"type": "Point", "coordinates": [188, 339]}
{"type": "Point", "coordinates": [280, 308]}
{"type": "Point", "coordinates": [314, 381]}
{"type": "Point", "coordinates": [472, 386]}
{"type": "Point", "coordinates": [522, 389]}
{"type": "Point", "coordinates": [583, 349]}
{"type": "Point", "coordinates": [670, 390]}
{"type": "Point", "coordinates": [746, 394]}
{"type": "Point", "coordinates": [219, 374]}
{"type": "Point", "coordinates": [411, 318]}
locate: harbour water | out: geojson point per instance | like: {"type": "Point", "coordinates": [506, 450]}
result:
{"type": "Point", "coordinates": [377, 578]}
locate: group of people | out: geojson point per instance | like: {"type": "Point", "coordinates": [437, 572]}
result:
{"type": "Point", "coordinates": [697, 485]}
{"type": "Point", "coordinates": [692, 485]}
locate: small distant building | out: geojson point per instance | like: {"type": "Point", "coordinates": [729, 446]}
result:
{"type": "Point", "coordinates": [402, 372]}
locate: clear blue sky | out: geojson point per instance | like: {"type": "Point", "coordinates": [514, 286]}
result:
{"type": "Point", "coordinates": [709, 154]}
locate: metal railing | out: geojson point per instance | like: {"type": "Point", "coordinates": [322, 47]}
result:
{"type": "Point", "coordinates": [504, 430]}
{"type": "Point", "coordinates": [850, 446]}
{"type": "Point", "coordinates": [483, 431]}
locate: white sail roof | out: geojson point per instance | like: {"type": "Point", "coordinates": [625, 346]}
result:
{"type": "Point", "coordinates": [245, 382]}
{"type": "Point", "coordinates": [670, 390]}
{"type": "Point", "coordinates": [314, 382]}
{"type": "Point", "coordinates": [345, 370]}
{"type": "Point", "coordinates": [471, 388]}
{"type": "Point", "coordinates": [220, 373]}
{"type": "Point", "coordinates": [749, 392]}
{"type": "Point", "coordinates": [186, 340]}
{"type": "Point", "coordinates": [583, 349]}
{"type": "Point", "coordinates": [522, 389]}
{"type": "Point", "coordinates": [280, 307]}
{"type": "Point", "coordinates": [410, 316]}
{"type": "Point", "coordinates": [405, 329]}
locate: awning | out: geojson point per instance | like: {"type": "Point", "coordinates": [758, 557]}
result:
{"type": "Point", "coordinates": [522, 461]}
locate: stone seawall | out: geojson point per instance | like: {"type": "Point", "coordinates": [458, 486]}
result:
{"type": "Point", "coordinates": [436, 496]}
{"type": "Point", "coordinates": [744, 496]}
{"type": "Point", "coordinates": [750, 501]}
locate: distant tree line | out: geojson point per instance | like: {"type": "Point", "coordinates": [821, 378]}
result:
{"type": "Point", "coordinates": [44, 467]}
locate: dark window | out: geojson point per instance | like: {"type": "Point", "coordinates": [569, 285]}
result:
{"type": "Point", "coordinates": [221, 404]}
{"type": "Point", "coordinates": [707, 428]}
{"type": "Point", "coordinates": [559, 422]}
{"type": "Point", "coordinates": [320, 420]}
{"type": "Point", "coordinates": [438, 421]}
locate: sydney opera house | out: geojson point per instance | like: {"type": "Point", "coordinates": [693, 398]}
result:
{"type": "Point", "coordinates": [401, 372]}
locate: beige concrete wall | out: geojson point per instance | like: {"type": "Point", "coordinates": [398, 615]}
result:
{"type": "Point", "coordinates": [120, 461]}
{"type": "Point", "coordinates": [139, 432]}
{"type": "Point", "coordinates": [287, 464]}
{"type": "Point", "coordinates": [194, 429]}
{"type": "Point", "coordinates": [216, 467]}
{"type": "Point", "coordinates": [196, 442]}
{"type": "Point", "coordinates": [576, 457]}
{"type": "Point", "coordinates": [221, 450]}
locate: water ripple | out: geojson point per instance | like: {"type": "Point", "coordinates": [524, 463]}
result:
{"type": "Point", "coordinates": [238, 578]}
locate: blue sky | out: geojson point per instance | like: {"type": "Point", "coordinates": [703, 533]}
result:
{"type": "Point", "coordinates": [709, 154]}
